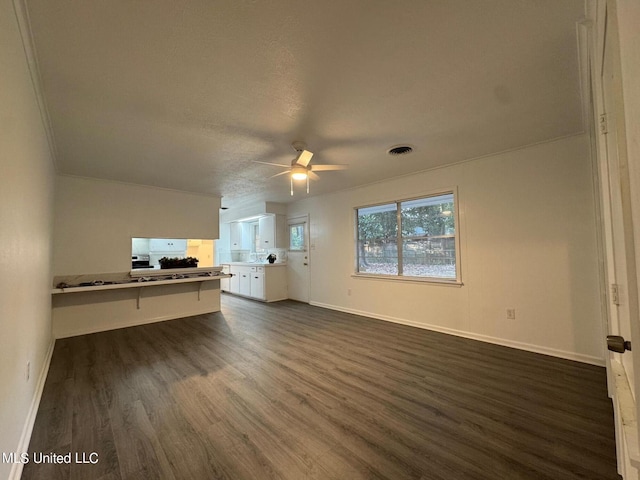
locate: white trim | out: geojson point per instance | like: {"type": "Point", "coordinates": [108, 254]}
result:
{"type": "Point", "coordinates": [256, 299]}
{"type": "Point", "coordinates": [403, 278]}
{"type": "Point", "coordinates": [24, 26]}
{"type": "Point", "coordinates": [627, 411]}
{"type": "Point", "coordinates": [589, 84]}
{"type": "Point", "coordinates": [116, 326]}
{"type": "Point", "coordinates": [578, 357]}
{"type": "Point", "coordinates": [25, 438]}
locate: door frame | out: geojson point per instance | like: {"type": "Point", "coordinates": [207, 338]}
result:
{"type": "Point", "coordinates": [626, 404]}
{"type": "Point", "coordinates": [302, 218]}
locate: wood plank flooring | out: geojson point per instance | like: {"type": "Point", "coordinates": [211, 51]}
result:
{"type": "Point", "coordinates": [290, 391]}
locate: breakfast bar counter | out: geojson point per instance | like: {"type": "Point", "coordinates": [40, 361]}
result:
{"type": "Point", "coordinates": [91, 303]}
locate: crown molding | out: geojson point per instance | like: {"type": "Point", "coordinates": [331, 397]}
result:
{"type": "Point", "coordinates": [24, 26]}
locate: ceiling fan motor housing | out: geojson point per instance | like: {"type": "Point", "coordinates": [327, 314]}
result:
{"type": "Point", "coordinates": [299, 146]}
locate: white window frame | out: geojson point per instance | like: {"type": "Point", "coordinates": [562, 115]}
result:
{"type": "Point", "coordinates": [406, 278]}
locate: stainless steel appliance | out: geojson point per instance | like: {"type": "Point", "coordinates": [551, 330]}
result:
{"type": "Point", "coordinates": [139, 261]}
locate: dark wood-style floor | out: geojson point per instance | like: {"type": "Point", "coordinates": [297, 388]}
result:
{"type": "Point", "coordinates": [290, 391]}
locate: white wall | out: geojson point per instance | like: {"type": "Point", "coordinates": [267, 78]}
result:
{"type": "Point", "coordinates": [528, 241]}
{"type": "Point", "coordinates": [96, 219]}
{"type": "Point", "coordinates": [26, 199]}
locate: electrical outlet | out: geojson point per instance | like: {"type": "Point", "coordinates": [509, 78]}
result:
{"type": "Point", "coordinates": [28, 372]}
{"type": "Point", "coordinates": [511, 313]}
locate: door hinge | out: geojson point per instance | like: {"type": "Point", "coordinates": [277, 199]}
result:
{"type": "Point", "coordinates": [615, 294]}
{"type": "Point", "coordinates": [603, 127]}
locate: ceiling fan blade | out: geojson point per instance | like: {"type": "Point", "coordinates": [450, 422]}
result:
{"type": "Point", "coordinates": [312, 175]}
{"type": "Point", "coordinates": [281, 173]}
{"type": "Point", "coordinates": [304, 158]}
{"type": "Point", "coordinates": [325, 168]}
{"type": "Point", "coordinates": [274, 164]}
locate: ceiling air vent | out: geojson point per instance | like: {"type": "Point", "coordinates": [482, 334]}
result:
{"type": "Point", "coordinates": [400, 150]}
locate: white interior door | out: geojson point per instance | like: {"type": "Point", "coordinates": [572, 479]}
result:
{"type": "Point", "coordinates": [298, 258]}
{"type": "Point", "coordinates": [619, 244]}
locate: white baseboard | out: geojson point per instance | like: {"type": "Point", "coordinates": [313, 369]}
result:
{"type": "Point", "coordinates": [116, 326]}
{"type": "Point", "coordinates": [25, 438]}
{"type": "Point", "coordinates": [578, 357]}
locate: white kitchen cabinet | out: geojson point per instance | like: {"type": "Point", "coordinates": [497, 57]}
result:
{"type": "Point", "coordinates": [257, 285]}
{"type": "Point", "coordinates": [236, 236]}
{"type": "Point", "coordinates": [273, 231]}
{"type": "Point", "coordinates": [275, 283]}
{"type": "Point", "coordinates": [240, 236]}
{"type": "Point", "coordinates": [225, 283]}
{"type": "Point", "coordinates": [140, 246]}
{"type": "Point", "coordinates": [267, 226]}
{"type": "Point", "coordinates": [245, 282]}
{"type": "Point", "coordinates": [234, 281]}
{"type": "Point", "coordinates": [262, 282]}
{"type": "Point", "coordinates": [168, 245]}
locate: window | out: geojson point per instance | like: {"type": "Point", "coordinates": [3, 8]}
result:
{"type": "Point", "coordinates": [254, 228]}
{"type": "Point", "coordinates": [296, 236]}
{"type": "Point", "coordinates": [410, 238]}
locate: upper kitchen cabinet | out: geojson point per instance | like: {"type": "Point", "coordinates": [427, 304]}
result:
{"type": "Point", "coordinates": [167, 245]}
{"type": "Point", "coordinates": [257, 234]}
{"type": "Point", "coordinates": [273, 231]}
{"type": "Point", "coordinates": [240, 236]}
{"type": "Point", "coordinates": [267, 226]}
{"type": "Point", "coordinates": [235, 235]}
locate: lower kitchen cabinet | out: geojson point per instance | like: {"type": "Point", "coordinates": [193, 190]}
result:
{"type": "Point", "coordinates": [266, 283]}
{"type": "Point", "coordinates": [257, 285]}
{"type": "Point", "coordinates": [234, 281]}
{"type": "Point", "coordinates": [225, 283]}
{"type": "Point", "coordinates": [245, 283]}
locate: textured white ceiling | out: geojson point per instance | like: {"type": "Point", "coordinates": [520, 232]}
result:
{"type": "Point", "coordinates": [186, 94]}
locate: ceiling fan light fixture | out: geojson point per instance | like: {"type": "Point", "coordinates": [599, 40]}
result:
{"type": "Point", "coordinates": [301, 168]}
{"type": "Point", "coordinates": [299, 173]}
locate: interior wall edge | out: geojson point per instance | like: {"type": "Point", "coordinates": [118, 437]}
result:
{"type": "Point", "coordinates": [31, 56]}
{"type": "Point", "coordinates": [25, 438]}
{"type": "Point", "coordinates": [577, 357]}
{"type": "Point", "coordinates": [142, 185]}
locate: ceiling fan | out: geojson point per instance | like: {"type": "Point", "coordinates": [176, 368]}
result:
{"type": "Point", "coordinates": [301, 167]}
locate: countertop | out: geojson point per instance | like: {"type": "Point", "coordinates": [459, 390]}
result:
{"type": "Point", "coordinates": [111, 281]}
{"type": "Point", "coordinates": [255, 264]}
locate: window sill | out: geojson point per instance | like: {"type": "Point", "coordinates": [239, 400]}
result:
{"type": "Point", "coordinates": [396, 278]}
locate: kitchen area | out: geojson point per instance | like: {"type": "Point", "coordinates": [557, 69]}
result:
{"type": "Point", "coordinates": [254, 251]}
{"type": "Point", "coordinates": [146, 253]}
